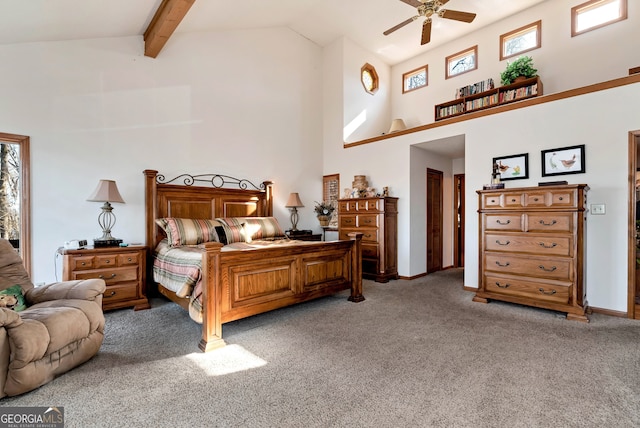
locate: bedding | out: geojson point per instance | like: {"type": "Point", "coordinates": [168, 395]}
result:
{"type": "Point", "coordinates": [247, 266]}
{"type": "Point", "coordinates": [178, 266]}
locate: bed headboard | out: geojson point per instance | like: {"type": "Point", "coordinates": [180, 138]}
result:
{"type": "Point", "coordinates": [201, 196]}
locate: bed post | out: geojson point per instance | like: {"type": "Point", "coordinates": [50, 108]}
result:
{"type": "Point", "coordinates": [150, 206]}
{"type": "Point", "coordinates": [356, 267]}
{"type": "Point", "coordinates": [268, 201]}
{"type": "Point", "coordinates": [211, 298]}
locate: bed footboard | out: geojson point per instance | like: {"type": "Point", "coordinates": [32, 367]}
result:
{"type": "Point", "coordinates": [239, 284]}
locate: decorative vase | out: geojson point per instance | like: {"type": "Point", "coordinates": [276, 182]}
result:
{"type": "Point", "coordinates": [324, 220]}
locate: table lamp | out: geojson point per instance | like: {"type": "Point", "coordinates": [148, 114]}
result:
{"type": "Point", "coordinates": [294, 203]}
{"type": "Point", "coordinates": [106, 192]}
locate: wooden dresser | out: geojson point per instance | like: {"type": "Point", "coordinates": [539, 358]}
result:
{"type": "Point", "coordinates": [377, 219]}
{"type": "Point", "coordinates": [532, 243]}
{"type": "Point", "coordinates": [122, 268]}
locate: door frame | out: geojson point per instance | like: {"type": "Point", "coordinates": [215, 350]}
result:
{"type": "Point", "coordinates": [439, 209]}
{"type": "Point", "coordinates": [458, 220]}
{"type": "Point", "coordinates": [633, 310]}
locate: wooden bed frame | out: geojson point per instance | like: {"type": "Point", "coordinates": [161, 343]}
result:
{"type": "Point", "coordinates": [239, 284]}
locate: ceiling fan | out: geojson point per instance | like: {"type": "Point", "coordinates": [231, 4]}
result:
{"type": "Point", "coordinates": [427, 8]}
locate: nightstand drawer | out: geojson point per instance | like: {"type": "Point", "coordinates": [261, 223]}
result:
{"type": "Point", "coordinates": [129, 259]}
{"type": "Point", "coordinates": [110, 276]}
{"type": "Point", "coordinates": [105, 261]}
{"type": "Point", "coordinates": [118, 293]}
{"type": "Point", "coordinates": [82, 263]}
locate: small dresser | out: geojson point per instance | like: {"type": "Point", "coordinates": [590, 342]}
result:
{"type": "Point", "coordinates": [377, 220]}
{"type": "Point", "coordinates": [532, 243]}
{"type": "Point", "coordinates": [122, 268]}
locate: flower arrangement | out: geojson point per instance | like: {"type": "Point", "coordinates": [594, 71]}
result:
{"type": "Point", "coordinates": [523, 66]}
{"type": "Point", "coordinates": [324, 208]}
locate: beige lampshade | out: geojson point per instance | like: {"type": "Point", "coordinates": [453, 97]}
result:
{"type": "Point", "coordinates": [107, 191]}
{"type": "Point", "coordinates": [294, 201]}
{"type": "Point", "coordinates": [397, 125]}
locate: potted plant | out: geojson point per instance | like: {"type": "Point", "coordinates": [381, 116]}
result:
{"type": "Point", "coordinates": [324, 210]}
{"type": "Point", "coordinates": [521, 67]}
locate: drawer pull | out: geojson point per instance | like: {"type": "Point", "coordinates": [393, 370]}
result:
{"type": "Point", "coordinates": [547, 270]}
{"type": "Point", "coordinates": [113, 293]}
{"type": "Point", "coordinates": [546, 292]}
{"type": "Point", "coordinates": [548, 224]}
{"type": "Point", "coordinates": [502, 243]}
{"type": "Point", "coordinates": [503, 223]}
{"type": "Point", "coordinates": [543, 245]}
{"type": "Point", "coordinates": [107, 261]}
{"type": "Point", "coordinates": [493, 201]}
{"type": "Point", "coordinates": [83, 263]}
{"type": "Point", "coordinates": [502, 265]}
{"type": "Point", "coordinates": [535, 199]}
{"type": "Point", "coordinates": [503, 286]}
{"type": "Point", "coordinates": [513, 200]}
{"type": "Point", "coordinates": [113, 275]}
{"type": "Point", "coordinates": [129, 259]}
{"type": "Point", "coordinates": [560, 198]}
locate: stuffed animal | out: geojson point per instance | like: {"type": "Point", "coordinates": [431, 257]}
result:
{"type": "Point", "coordinates": [8, 301]}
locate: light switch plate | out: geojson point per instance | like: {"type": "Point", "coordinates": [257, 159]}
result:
{"type": "Point", "coordinates": [598, 209]}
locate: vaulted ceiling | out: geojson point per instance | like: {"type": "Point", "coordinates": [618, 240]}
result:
{"type": "Point", "coordinates": [321, 21]}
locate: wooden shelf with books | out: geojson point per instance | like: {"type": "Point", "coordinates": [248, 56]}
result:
{"type": "Point", "coordinates": [494, 97]}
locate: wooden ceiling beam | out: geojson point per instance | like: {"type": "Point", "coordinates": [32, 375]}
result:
{"type": "Point", "coordinates": [167, 18]}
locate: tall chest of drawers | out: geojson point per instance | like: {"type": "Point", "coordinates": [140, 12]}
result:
{"type": "Point", "coordinates": [532, 242]}
{"type": "Point", "coordinates": [122, 268]}
{"type": "Point", "coordinates": [377, 219]}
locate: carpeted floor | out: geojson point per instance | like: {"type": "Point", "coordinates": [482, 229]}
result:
{"type": "Point", "coordinates": [416, 353]}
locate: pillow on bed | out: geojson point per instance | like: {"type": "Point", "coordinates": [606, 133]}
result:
{"type": "Point", "coordinates": [188, 231]}
{"type": "Point", "coordinates": [251, 228]}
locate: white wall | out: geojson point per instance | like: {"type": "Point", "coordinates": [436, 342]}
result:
{"type": "Point", "coordinates": [240, 103]}
{"type": "Point", "coordinates": [563, 62]}
{"type": "Point", "coordinates": [599, 120]}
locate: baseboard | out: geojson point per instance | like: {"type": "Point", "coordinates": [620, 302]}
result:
{"type": "Point", "coordinates": [471, 289]}
{"type": "Point", "coordinates": [409, 278]}
{"type": "Point", "coordinates": [608, 312]}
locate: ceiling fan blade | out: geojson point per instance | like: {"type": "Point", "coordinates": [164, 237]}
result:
{"type": "Point", "coordinates": [426, 32]}
{"type": "Point", "coordinates": [414, 3]}
{"type": "Point", "coordinates": [443, 2]}
{"type": "Point", "coordinates": [400, 25]}
{"type": "Point", "coordinates": [457, 15]}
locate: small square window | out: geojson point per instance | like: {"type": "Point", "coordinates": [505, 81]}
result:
{"type": "Point", "coordinates": [596, 14]}
{"type": "Point", "coordinates": [518, 41]}
{"type": "Point", "coordinates": [415, 79]}
{"type": "Point", "coordinates": [461, 62]}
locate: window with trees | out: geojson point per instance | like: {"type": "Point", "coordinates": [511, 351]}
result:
{"type": "Point", "coordinates": [461, 62]}
{"type": "Point", "coordinates": [521, 40]}
{"type": "Point", "coordinates": [415, 79]}
{"type": "Point", "coordinates": [596, 14]}
{"type": "Point", "coordinates": [14, 194]}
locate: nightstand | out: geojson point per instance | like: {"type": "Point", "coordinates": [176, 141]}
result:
{"type": "Point", "coordinates": [304, 235]}
{"type": "Point", "coordinates": [122, 268]}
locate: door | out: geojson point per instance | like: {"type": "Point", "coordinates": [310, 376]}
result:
{"type": "Point", "coordinates": [458, 220]}
{"type": "Point", "coordinates": [434, 220]}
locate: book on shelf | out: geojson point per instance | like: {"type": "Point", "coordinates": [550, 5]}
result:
{"type": "Point", "coordinates": [476, 88]}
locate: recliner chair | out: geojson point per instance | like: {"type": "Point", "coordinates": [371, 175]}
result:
{"type": "Point", "coordinates": [61, 328]}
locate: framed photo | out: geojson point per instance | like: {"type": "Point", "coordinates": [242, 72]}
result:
{"type": "Point", "coordinates": [564, 160]}
{"type": "Point", "coordinates": [514, 167]}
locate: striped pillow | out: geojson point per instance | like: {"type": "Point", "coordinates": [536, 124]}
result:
{"type": "Point", "coordinates": [187, 231]}
{"type": "Point", "coordinates": [248, 228]}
